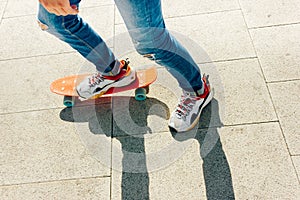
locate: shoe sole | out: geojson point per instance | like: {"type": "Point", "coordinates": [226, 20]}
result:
{"type": "Point", "coordinates": [208, 100]}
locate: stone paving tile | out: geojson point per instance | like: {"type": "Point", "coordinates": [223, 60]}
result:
{"type": "Point", "coordinates": [240, 164]}
{"type": "Point", "coordinates": [278, 51]}
{"type": "Point", "coordinates": [156, 166]}
{"type": "Point", "coordinates": [241, 96]}
{"type": "Point", "coordinates": [20, 8]}
{"type": "Point", "coordinates": [214, 33]}
{"type": "Point", "coordinates": [21, 37]}
{"type": "Point", "coordinates": [22, 32]}
{"type": "Point", "coordinates": [188, 7]}
{"type": "Point", "coordinates": [30, 89]}
{"type": "Point", "coordinates": [41, 146]}
{"type": "Point", "coordinates": [97, 188]}
{"type": "Point", "coordinates": [245, 96]}
{"type": "Point", "coordinates": [270, 12]}
{"type": "Point", "coordinates": [260, 163]}
{"type": "Point", "coordinates": [288, 111]}
{"type": "Point", "coordinates": [93, 124]}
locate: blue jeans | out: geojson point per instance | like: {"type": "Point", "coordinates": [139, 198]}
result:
{"type": "Point", "coordinates": [146, 26]}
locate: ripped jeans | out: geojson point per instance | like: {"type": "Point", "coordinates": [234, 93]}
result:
{"type": "Point", "coordinates": [146, 26]}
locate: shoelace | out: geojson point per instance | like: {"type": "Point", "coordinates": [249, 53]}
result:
{"type": "Point", "coordinates": [95, 79]}
{"type": "Point", "coordinates": [186, 104]}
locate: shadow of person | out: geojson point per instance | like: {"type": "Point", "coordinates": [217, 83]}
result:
{"type": "Point", "coordinates": [126, 120]}
{"type": "Point", "coordinates": [216, 171]}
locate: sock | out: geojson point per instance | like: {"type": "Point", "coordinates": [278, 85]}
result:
{"type": "Point", "coordinates": [113, 69]}
{"type": "Point", "coordinates": [201, 90]}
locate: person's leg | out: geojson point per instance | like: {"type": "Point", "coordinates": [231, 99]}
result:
{"type": "Point", "coordinates": [77, 33]}
{"type": "Point", "coordinates": [74, 31]}
{"type": "Point", "coordinates": [146, 26]}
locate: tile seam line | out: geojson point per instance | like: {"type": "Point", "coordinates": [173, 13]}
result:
{"type": "Point", "coordinates": [267, 84]}
{"type": "Point", "coordinates": [297, 174]}
{"type": "Point", "coordinates": [5, 6]}
{"type": "Point", "coordinates": [255, 51]}
{"type": "Point", "coordinates": [111, 167]}
{"type": "Point", "coordinates": [229, 60]}
{"type": "Point", "coordinates": [275, 25]}
{"type": "Point", "coordinates": [28, 111]}
{"type": "Point", "coordinates": [37, 56]}
{"type": "Point", "coordinates": [40, 55]}
{"type": "Point", "coordinates": [251, 123]}
{"type": "Point", "coordinates": [205, 128]}
{"type": "Point", "coordinates": [59, 108]}
{"type": "Point", "coordinates": [112, 121]}
{"type": "Point", "coordinates": [264, 76]}
{"type": "Point", "coordinates": [284, 81]}
{"type": "Point", "coordinates": [50, 109]}
{"type": "Point", "coordinates": [31, 14]}
{"type": "Point", "coordinates": [54, 181]}
{"type": "Point", "coordinates": [220, 61]}
{"type": "Point", "coordinates": [73, 51]}
{"type": "Point", "coordinates": [204, 13]}
{"type": "Point", "coordinates": [284, 138]}
{"type": "Point", "coordinates": [196, 14]}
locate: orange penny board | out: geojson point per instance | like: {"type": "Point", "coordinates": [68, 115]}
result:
{"type": "Point", "coordinates": [66, 86]}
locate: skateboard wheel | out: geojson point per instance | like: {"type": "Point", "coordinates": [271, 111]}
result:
{"type": "Point", "coordinates": [69, 101]}
{"type": "Point", "coordinates": [140, 94]}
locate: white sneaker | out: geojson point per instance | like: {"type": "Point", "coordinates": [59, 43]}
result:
{"type": "Point", "coordinates": [97, 84]}
{"type": "Point", "coordinates": [187, 114]}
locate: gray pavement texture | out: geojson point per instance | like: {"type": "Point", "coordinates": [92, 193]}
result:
{"type": "Point", "coordinates": [247, 143]}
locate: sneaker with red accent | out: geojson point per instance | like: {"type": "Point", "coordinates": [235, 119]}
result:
{"type": "Point", "coordinates": [98, 84]}
{"type": "Point", "coordinates": [187, 113]}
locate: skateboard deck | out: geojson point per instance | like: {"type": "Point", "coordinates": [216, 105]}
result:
{"type": "Point", "coordinates": [66, 86]}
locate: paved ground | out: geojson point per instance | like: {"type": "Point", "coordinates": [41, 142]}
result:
{"type": "Point", "coordinates": [246, 146]}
